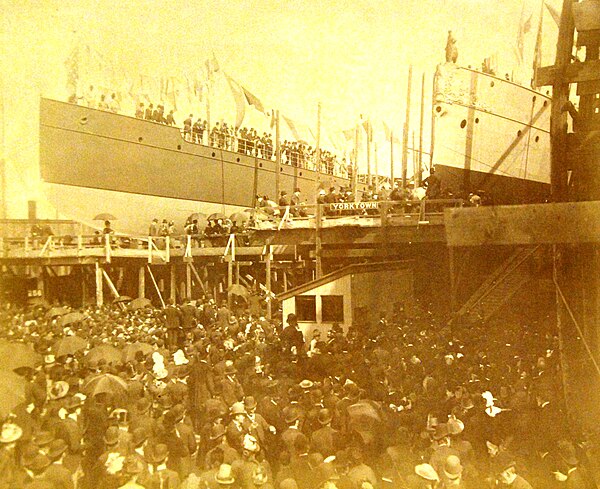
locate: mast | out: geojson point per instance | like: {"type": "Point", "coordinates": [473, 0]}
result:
{"type": "Point", "coordinates": [3, 213]}
{"type": "Point", "coordinates": [277, 156]}
{"type": "Point", "coordinates": [355, 172]}
{"type": "Point", "coordinates": [417, 176]}
{"type": "Point", "coordinates": [318, 147]}
{"type": "Point", "coordinates": [432, 140]}
{"type": "Point", "coordinates": [369, 175]}
{"type": "Point", "coordinates": [406, 129]}
{"type": "Point", "coordinates": [376, 170]}
{"type": "Point", "coordinates": [392, 157]}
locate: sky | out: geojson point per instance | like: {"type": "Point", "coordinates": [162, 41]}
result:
{"type": "Point", "coordinates": [351, 56]}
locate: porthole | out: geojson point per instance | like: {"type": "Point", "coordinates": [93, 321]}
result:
{"type": "Point", "coordinates": [83, 120]}
{"type": "Point", "coordinates": [492, 83]}
{"type": "Point", "coordinates": [537, 139]}
{"type": "Point", "coordinates": [545, 103]}
{"type": "Point", "coordinates": [214, 154]}
{"type": "Point", "coordinates": [300, 173]}
{"type": "Point", "coordinates": [438, 109]}
{"type": "Point", "coordinates": [237, 159]}
{"type": "Point", "coordinates": [463, 124]}
{"type": "Point", "coordinates": [519, 133]}
{"type": "Point", "coordinates": [534, 98]}
{"type": "Point", "coordinates": [260, 165]}
{"type": "Point", "coordinates": [140, 139]}
{"type": "Point", "coordinates": [476, 120]}
{"type": "Point", "coordinates": [179, 146]}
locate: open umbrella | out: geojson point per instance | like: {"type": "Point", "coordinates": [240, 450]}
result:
{"type": "Point", "coordinates": [122, 298]}
{"type": "Point", "coordinates": [139, 303]}
{"type": "Point", "coordinates": [239, 217]}
{"type": "Point", "coordinates": [12, 391]}
{"type": "Point", "coordinates": [105, 216]}
{"type": "Point", "coordinates": [69, 345]}
{"type": "Point", "coordinates": [18, 355]}
{"type": "Point", "coordinates": [365, 420]}
{"type": "Point", "coordinates": [72, 317]}
{"type": "Point", "coordinates": [216, 216]}
{"type": "Point", "coordinates": [105, 384]}
{"type": "Point", "coordinates": [106, 353]}
{"type": "Point", "coordinates": [57, 311]}
{"type": "Point", "coordinates": [130, 350]}
{"type": "Point", "coordinates": [237, 289]}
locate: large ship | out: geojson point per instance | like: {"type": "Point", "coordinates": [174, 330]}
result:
{"type": "Point", "coordinates": [94, 161]}
{"type": "Point", "coordinates": [490, 135]}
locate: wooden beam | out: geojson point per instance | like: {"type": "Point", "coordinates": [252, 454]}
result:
{"type": "Point", "coordinates": [568, 223]}
{"type": "Point", "coordinates": [587, 15]}
{"type": "Point", "coordinates": [577, 72]}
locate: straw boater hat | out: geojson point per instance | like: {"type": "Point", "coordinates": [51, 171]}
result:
{"type": "Point", "coordinates": [306, 384]}
{"type": "Point", "coordinates": [238, 408]}
{"type": "Point", "coordinates": [427, 472]}
{"type": "Point", "coordinates": [10, 433]}
{"type": "Point", "coordinates": [225, 475]}
{"type": "Point", "coordinates": [59, 390]}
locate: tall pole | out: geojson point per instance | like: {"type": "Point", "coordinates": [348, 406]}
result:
{"type": "Point", "coordinates": [406, 129]}
{"type": "Point", "coordinates": [369, 175]}
{"type": "Point", "coordinates": [376, 170]}
{"type": "Point", "coordinates": [277, 156]}
{"type": "Point", "coordinates": [318, 146]}
{"type": "Point", "coordinates": [355, 172]}
{"type": "Point", "coordinates": [432, 138]}
{"type": "Point", "coordinates": [268, 282]}
{"type": "Point", "coordinates": [392, 157]}
{"type": "Point", "coordinates": [3, 212]}
{"type": "Point", "coordinates": [418, 174]}
{"type": "Point", "coordinates": [414, 159]}
{"type": "Point", "coordinates": [208, 126]}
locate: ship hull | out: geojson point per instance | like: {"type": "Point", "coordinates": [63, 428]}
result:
{"type": "Point", "coordinates": [82, 148]}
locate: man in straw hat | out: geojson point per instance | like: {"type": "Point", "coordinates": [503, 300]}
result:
{"type": "Point", "coordinates": [506, 472]}
{"type": "Point", "coordinates": [425, 477]}
{"type": "Point", "coordinates": [224, 477]}
{"type": "Point", "coordinates": [452, 473]}
{"type": "Point", "coordinates": [9, 436]}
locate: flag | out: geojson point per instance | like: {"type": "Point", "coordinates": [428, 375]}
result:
{"type": "Point", "coordinates": [537, 57]}
{"type": "Point", "coordinates": [553, 12]}
{"type": "Point", "coordinates": [212, 67]}
{"type": "Point", "coordinates": [253, 100]}
{"type": "Point", "coordinates": [348, 134]}
{"type": "Point", "coordinates": [72, 65]}
{"type": "Point", "coordinates": [388, 134]}
{"type": "Point", "coordinates": [240, 104]}
{"type": "Point", "coordinates": [273, 119]}
{"type": "Point", "coordinates": [292, 125]}
{"type": "Point", "coordinates": [524, 28]}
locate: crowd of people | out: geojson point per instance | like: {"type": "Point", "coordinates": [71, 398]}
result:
{"type": "Point", "coordinates": [201, 395]}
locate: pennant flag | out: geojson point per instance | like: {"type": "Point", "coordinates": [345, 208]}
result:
{"type": "Point", "coordinates": [292, 125]}
{"type": "Point", "coordinates": [388, 134]}
{"type": "Point", "coordinates": [273, 119]}
{"type": "Point", "coordinates": [537, 57]}
{"type": "Point", "coordinates": [238, 96]}
{"type": "Point", "coordinates": [253, 100]}
{"type": "Point", "coordinates": [348, 134]}
{"type": "Point", "coordinates": [554, 13]}
{"type": "Point", "coordinates": [524, 28]}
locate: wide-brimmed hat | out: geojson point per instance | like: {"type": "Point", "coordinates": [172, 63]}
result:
{"type": "Point", "coordinates": [427, 472]}
{"type": "Point", "coordinates": [57, 448]}
{"type": "Point", "coordinates": [229, 368]}
{"type": "Point", "coordinates": [111, 437]}
{"type": "Point", "coordinates": [217, 431]}
{"type": "Point", "coordinates": [250, 403]}
{"type": "Point", "coordinates": [306, 384]}
{"type": "Point", "coordinates": [453, 468]}
{"type": "Point", "coordinates": [324, 416]}
{"type": "Point", "coordinates": [139, 436]}
{"type": "Point", "coordinates": [43, 438]}
{"type": "Point", "coordinates": [225, 475]}
{"type": "Point", "coordinates": [59, 390]}
{"type": "Point", "coordinates": [39, 463]}
{"type": "Point", "coordinates": [10, 432]}
{"type": "Point", "coordinates": [158, 454]}
{"type": "Point", "coordinates": [290, 414]}
{"type": "Point", "coordinates": [455, 426]}
{"type": "Point", "coordinates": [238, 408]}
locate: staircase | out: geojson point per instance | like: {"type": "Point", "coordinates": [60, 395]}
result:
{"type": "Point", "coordinates": [500, 286]}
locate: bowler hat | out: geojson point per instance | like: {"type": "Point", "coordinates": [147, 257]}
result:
{"type": "Point", "coordinates": [57, 448]}
{"type": "Point", "coordinates": [43, 438]}
{"type": "Point", "coordinates": [111, 437]}
{"type": "Point", "coordinates": [158, 454]}
{"type": "Point", "coordinates": [238, 408]}
{"type": "Point", "coordinates": [225, 475]}
{"type": "Point", "coordinates": [324, 416]}
{"type": "Point", "coordinates": [453, 468]}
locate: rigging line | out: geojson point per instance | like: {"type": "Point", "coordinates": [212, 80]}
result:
{"type": "Point", "coordinates": [572, 316]}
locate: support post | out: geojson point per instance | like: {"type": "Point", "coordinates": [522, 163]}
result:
{"type": "Point", "coordinates": [188, 282]}
{"type": "Point", "coordinates": [172, 282]}
{"type": "Point", "coordinates": [452, 269]}
{"type": "Point", "coordinates": [99, 286]}
{"type": "Point", "coordinates": [355, 170]}
{"type": "Point", "coordinates": [318, 146]}
{"type": "Point", "coordinates": [318, 246]}
{"type": "Point", "coordinates": [406, 129]}
{"type": "Point", "coordinates": [141, 282]}
{"type": "Point", "coordinates": [392, 158]}
{"type": "Point", "coordinates": [417, 176]}
{"type": "Point", "coordinates": [369, 175]}
{"type": "Point", "coordinates": [229, 281]}
{"type": "Point", "coordinates": [111, 286]}
{"type": "Point", "coordinates": [268, 282]}
{"type": "Point", "coordinates": [156, 286]}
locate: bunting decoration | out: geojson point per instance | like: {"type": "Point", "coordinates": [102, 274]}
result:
{"type": "Point", "coordinates": [292, 125]}
{"type": "Point", "coordinates": [389, 137]}
{"type": "Point", "coordinates": [253, 100]}
{"type": "Point", "coordinates": [524, 28]}
{"type": "Point", "coordinates": [238, 96]}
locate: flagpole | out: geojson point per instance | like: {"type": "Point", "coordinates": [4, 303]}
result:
{"type": "Point", "coordinates": [208, 126]}
{"type": "Point", "coordinates": [369, 176]}
{"type": "Point", "coordinates": [414, 160]}
{"type": "Point", "coordinates": [392, 157]}
{"type": "Point", "coordinates": [355, 172]}
{"type": "Point", "coordinates": [318, 147]}
{"type": "Point", "coordinates": [417, 176]}
{"type": "Point", "coordinates": [376, 169]}
{"type": "Point", "coordinates": [277, 156]}
{"type": "Point", "coordinates": [406, 129]}
{"type": "Point", "coordinates": [432, 138]}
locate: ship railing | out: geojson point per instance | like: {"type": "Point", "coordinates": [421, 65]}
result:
{"type": "Point", "coordinates": [372, 212]}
